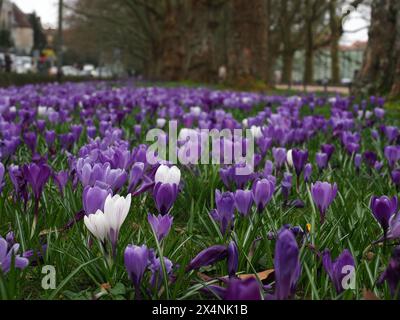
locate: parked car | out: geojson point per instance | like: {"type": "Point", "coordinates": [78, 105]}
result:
{"type": "Point", "coordinates": [71, 71]}
{"type": "Point", "coordinates": [102, 72]}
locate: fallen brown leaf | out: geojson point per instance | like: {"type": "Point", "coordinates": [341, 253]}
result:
{"type": "Point", "coordinates": [369, 295]}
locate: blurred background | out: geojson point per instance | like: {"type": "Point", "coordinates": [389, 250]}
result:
{"type": "Point", "coordinates": [338, 45]}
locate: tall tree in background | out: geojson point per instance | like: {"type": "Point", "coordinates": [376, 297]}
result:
{"type": "Point", "coordinates": [249, 52]}
{"type": "Point", "coordinates": [380, 73]}
{"type": "Point", "coordinates": [39, 38]}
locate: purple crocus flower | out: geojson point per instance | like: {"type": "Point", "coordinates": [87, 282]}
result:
{"type": "Point", "coordinates": [321, 160]}
{"type": "Point", "coordinates": [392, 154]}
{"type": "Point", "coordinates": [263, 191]}
{"type": "Point", "coordinates": [76, 131]}
{"type": "Point", "coordinates": [19, 182]}
{"type": "Point", "coordinates": [30, 139]}
{"type": "Point", "coordinates": [165, 196]}
{"type": "Point", "coordinates": [161, 225]}
{"type": "Point", "coordinates": [279, 155]}
{"type": "Point", "coordinates": [136, 261]}
{"type": "Point", "coordinates": [91, 131]}
{"type": "Point", "coordinates": [370, 158]}
{"type": "Point", "coordinates": [37, 176]}
{"type": "Point", "coordinates": [225, 203]}
{"type": "Point", "coordinates": [243, 201]}
{"type": "Point", "coordinates": [242, 290]}
{"type": "Point", "coordinates": [339, 268]}
{"type": "Point", "coordinates": [307, 172]}
{"type": "Point", "coordinates": [328, 149]}
{"type": "Point", "coordinates": [391, 133]}
{"type": "Point", "coordinates": [383, 209]}
{"type": "Point", "coordinates": [357, 161]}
{"type": "Point", "coordinates": [50, 137]}
{"type": "Point", "coordinates": [94, 199]}
{"type": "Point", "coordinates": [166, 189]}
{"type": "Point", "coordinates": [137, 129]}
{"type": "Point", "coordinates": [395, 175]}
{"type": "Point", "coordinates": [287, 265]}
{"type": "Point", "coordinates": [135, 175]}
{"type": "Point", "coordinates": [8, 253]}
{"type": "Point", "coordinates": [300, 158]}
{"type": "Point", "coordinates": [233, 259]}
{"type": "Point", "coordinates": [286, 185]}
{"type": "Point", "coordinates": [60, 179]}
{"type": "Point", "coordinates": [157, 274]}
{"type": "Point", "coordinates": [392, 274]}
{"type": "Point", "coordinates": [2, 171]}
{"type": "Point", "coordinates": [268, 168]}
{"type": "Point", "coordinates": [323, 194]}
{"type": "Point", "coordinates": [208, 257]}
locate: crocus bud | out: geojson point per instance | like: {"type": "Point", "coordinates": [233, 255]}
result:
{"type": "Point", "coordinates": [279, 155]}
{"type": "Point", "coordinates": [30, 139]}
{"type": "Point", "coordinates": [37, 175]}
{"type": "Point", "coordinates": [395, 175]}
{"type": "Point", "coordinates": [97, 225]}
{"type": "Point", "coordinates": [2, 171]}
{"type": "Point", "coordinates": [392, 274]}
{"type": "Point", "coordinates": [339, 268]}
{"type": "Point", "coordinates": [383, 209]}
{"type": "Point", "coordinates": [161, 225]}
{"type": "Point", "coordinates": [392, 154]}
{"type": "Point", "coordinates": [263, 191]}
{"type": "Point", "coordinates": [60, 179]}
{"type": "Point", "coordinates": [243, 201]}
{"type": "Point", "coordinates": [322, 160]}
{"type": "Point", "coordinates": [287, 265]}
{"type": "Point", "coordinates": [136, 260]}
{"type": "Point", "coordinates": [233, 259]}
{"type": "Point", "coordinates": [328, 149]}
{"type": "Point", "coordinates": [166, 189]}
{"type": "Point", "coordinates": [307, 172]}
{"type": "Point", "coordinates": [208, 257]}
{"type": "Point", "coordinates": [225, 203]}
{"type": "Point", "coordinates": [50, 137]}
{"type": "Point", "coordinates": [93, 199]}
{"type": "Point", "coordinates": [357, 161]}
{"type": "Point", "coordinates": [323, 194]}
{"type": "Point", "coordinates": [300, 158]}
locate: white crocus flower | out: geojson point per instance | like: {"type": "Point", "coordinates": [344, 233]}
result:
{"type": "Point", "coordinates": [289, 158]}
{"type": "Point", "coordinates": [116, 210]}
{"type": "Point", "coordinates": [256, 132]}
{"type": "Point", "coordinates": [196, 111]}
{"type": "Point", "coordinates": [97, 225]}
{"type": "Point", "coordinates": [161, 122]}
{"type": "Point", "coordinates": [245, 123]}
{"type": "Point", "coordinates": [42, 111]}
{"type": "Point", "coordinates": [169, 175]}
{"type": "Point", "coordinates": [108, 223]}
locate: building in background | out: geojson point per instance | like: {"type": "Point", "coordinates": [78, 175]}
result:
{"type": "Point", "coordinates": [351, 58]}
{"type": "Point", "coordinates": [15, 24]}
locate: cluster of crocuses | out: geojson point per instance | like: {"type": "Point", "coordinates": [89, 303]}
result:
{"type": "Point", "coordinates": [139, 259]}
{"type": "Point", "coordinates": [91, 125]}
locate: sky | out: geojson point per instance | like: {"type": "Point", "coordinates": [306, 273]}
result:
{"type": "Point", "coordinates": [47, 10]}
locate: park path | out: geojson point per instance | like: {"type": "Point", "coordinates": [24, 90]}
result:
{"type": "Point", "coordinates": [313, 88]}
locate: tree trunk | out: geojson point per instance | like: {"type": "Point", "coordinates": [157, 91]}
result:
{"type": "Point", "coordinates": [334, 46]}
{"type": "Point", "coordinates": [287, 69]}
{"type": "Point", "coordinates": [248, 57]}
{"type": "Point", "coordinates": [380, 73]}
{"type": "Point", "coordinates": [309, 45]}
